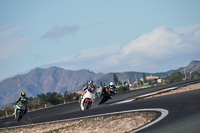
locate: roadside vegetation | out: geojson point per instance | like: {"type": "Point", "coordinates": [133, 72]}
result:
{"type": "Point", "coordinates": [178, 76]}
{"type": "Point", "coordinates": [42, 101]}
{"type": "Point", "coordinates": [174, 77]}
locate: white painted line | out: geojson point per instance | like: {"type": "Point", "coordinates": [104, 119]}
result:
{"type": "Point", "coordinates": [148, 94]}
{"type": "Point", "coordinates": [156, 92]}
{"type": "Point", "coordinates": [145, 95]}
{"type": "Point", "coordinates": [125, 101]}
{"type": "Point", "coordinates": [164, 113]}
{"type": "Point", "coordinates": [172, 88]}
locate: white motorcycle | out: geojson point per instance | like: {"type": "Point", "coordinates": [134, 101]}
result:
{"type": "Point", "coordinates": [87, 100]}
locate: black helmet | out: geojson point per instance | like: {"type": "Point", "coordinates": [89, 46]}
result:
{"type": "Point", "coordinates": [23, 94]}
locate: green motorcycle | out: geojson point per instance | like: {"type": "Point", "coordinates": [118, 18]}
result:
{"type": "Point", "coordinates": [20, 109]}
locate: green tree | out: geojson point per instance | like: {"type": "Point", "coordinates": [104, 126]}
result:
{"type": "Point", "coordinates": [125, 82]}
{"type": "Point", "coordinates": [70, 96]}
{"type": "Point", "coordinates": [115, 78]}
{"type": "Point", "coordinates": [101, 84]}
{"type": "Point", "coordinates": [119, 83]}
{"type": "Point", "coordinates": [144, 78]}
{"type": "Point", "coordinates": [175, 77]}
{"type": "Point", "coordinates": [194, 75]}
{"type": "Point", "coordinates": [122, 88]}
{"type": "Point", "coordinates": [139, 82]}
{"type": "Point", "coordinates": [51, 98]}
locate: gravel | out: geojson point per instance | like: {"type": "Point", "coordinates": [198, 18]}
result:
{"type": "Point", "coordinates": [119, 123]}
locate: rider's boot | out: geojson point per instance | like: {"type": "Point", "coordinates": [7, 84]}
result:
{"type": "Point", "coordinates": [14, 110]}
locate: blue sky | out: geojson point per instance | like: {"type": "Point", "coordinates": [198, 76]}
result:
{"type": "Point", "coordinates": [102, 36]}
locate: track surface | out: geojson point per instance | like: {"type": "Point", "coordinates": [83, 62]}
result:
{"type": "Point", "coordinates": [184, 111]}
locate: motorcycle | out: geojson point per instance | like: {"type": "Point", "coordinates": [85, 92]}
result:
{"type": "Point", "coordinates": [87, 100]}
{"type": "Point", "coordinates": [104, 95]}
{"type": "Point", "coordinates": [20, 109]}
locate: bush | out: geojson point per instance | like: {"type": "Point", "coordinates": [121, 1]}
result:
{"type": "Point", "coordinates": [9, 109]}
{"type": "Point", "coordinates": [122, 88]}
{"type": "Point", "coordinates": [175, 77]}
{"type": "Point", "coordinates": [2, 113]}
{"type": "Point", "coordinates": [50, 98]}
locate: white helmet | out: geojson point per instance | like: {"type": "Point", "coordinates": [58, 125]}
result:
{"type": "Point", "coordinates": [111, 84]}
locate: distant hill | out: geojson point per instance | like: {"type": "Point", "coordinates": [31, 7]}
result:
{"type": "Point", "coordinates": [191, 67]}
{"type": "Point", "coordinates": [59, 80]}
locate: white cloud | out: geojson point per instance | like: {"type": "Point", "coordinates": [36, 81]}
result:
{"type": "Point", "coordinates": [10, 44]}
{"type": "Point", "coordinates": [153, 44]}
{"type": "Point", "coordinates": [160, 50]}
{"type": "Point", "coordinates": [156, 50]}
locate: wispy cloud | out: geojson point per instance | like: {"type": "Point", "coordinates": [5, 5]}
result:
{"type": "Point", "coordinates": [59, 31]}
{"type": "Point", "coordinates": [92, 53]}
{"type": "Point", "coordinates": [160, 50]}
{"type": "Point", "coordinates": [10, 44]}
{"type": "Point", "coordinates": [85, 59]}
{"type": "Point", "coordinates": [187, 29]}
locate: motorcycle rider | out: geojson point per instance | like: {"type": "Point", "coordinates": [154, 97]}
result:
{"type": "Point", "coordinates": [25, 100]}
{"type": "Point", "coordinates": [112, 89]}
{"type": "Point", "coordinates": [90, 87]}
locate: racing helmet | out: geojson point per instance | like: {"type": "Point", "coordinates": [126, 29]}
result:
{"type": "Point", "coordinates": [112, 85]}
{"type": "Point", "coordinates": [90, 83]}
{"type": "Point", "coordinates": [23, 94]}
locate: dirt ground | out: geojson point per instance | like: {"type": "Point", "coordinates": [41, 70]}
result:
{"type": "Point", "coordinates": [120, 123]}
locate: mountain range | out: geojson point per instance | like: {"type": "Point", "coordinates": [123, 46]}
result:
{"type": "Point", "coordinates": [55, 79]}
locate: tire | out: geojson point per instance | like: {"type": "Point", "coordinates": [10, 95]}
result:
{"type": "Point", "coordinates": [101, 100]}
{"type": "Point", "coordinates": [18, 116]}
{"type": "Point", "coordinates": [87, 105]}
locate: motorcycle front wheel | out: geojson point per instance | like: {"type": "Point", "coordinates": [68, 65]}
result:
{"type": "Point", "coordinates": [17, 116]}
{"type": "Point", "coordinates": [87, 105]}
{"type": "Point", "coordinates": [101, 100]}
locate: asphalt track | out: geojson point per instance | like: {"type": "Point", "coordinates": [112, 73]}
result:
{"type": "Point", "coordinates": [183, 108]}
